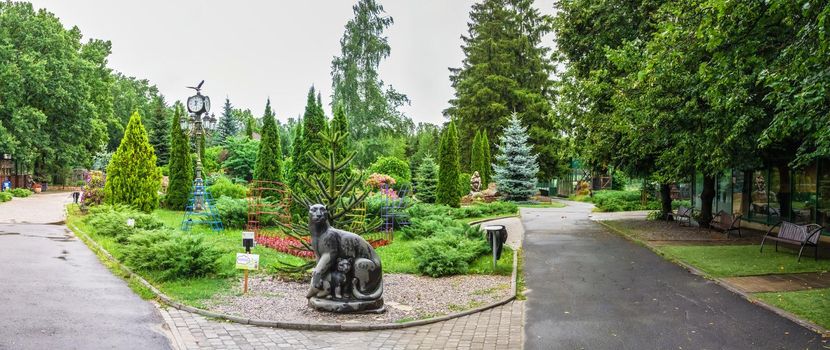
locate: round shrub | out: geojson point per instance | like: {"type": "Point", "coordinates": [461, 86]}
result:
{"type": "Point", "coordinates": [171, 254]}
{"type": "Point", "coordinates": [233, 212]}
{"type": "Point", "coordinates": [394, 167]}
{"type": "Point", "coordinates": [5, 197]}
{"type": "Point", "coordinates": [449, 253]}
{"type": "Point", "coordinates": [20, 192]}
{"type": "Point", "coordinates": [223, 186]}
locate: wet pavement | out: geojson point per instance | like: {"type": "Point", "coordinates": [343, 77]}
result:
{"type": "Point", "coordinates": [56, 294]}
{"type": "Point", "coordinates": [591, 289]}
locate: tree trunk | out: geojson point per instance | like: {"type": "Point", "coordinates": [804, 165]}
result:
{"type": "Point", "coordinates": [746, 193]}
{"type": "Point", "coordinates": [706, 198]}
{"type": "Point", "coordinates": [784, 191]}
{"type": "Point", "coordinates": [665, 199]}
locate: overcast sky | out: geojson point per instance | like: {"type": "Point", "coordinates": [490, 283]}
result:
{"type": "Point", "coordinates": [250, 50]}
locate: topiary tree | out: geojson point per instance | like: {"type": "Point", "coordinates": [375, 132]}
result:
{"type": "Point", "coordinates": [427, 178]}
{"type": "Point", "coordinates": [449, 168]}
{"type": "Point", "coordinates": [269, 159]}
{"type": "Point", "coordinates": [132, 175]}
{"type": "Point", "coordinates": [395, 167]}
{"type": "Point", "coordinates": [486, 161]}
{"type": "Point", "coordinates": [181, 165]}
{"type": "Point", "coordinates": [516, 167]}
{"type": "Point", "coordinates": [476, 156]}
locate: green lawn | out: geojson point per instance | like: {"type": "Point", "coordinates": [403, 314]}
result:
{"type": "Point", "coordinates": [396, 257]}
{"type": "Point", "coordinates": [813, 305]}
{"type": "Point", "coordinates": [743, 260]}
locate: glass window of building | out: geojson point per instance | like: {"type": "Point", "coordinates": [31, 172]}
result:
{"type": "Point", "coordinates": [804, 195]}
{"type": "Point", "coordinates": [759, 205]}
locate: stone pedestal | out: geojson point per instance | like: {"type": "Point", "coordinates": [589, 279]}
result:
{"type": "Point", "coordinates": [347, 306]}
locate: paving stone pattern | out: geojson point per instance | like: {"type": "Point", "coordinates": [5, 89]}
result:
{"type": "Point", "coordinates": [497, 328]}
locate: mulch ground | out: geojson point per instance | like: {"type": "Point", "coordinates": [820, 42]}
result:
{"type": "Point", "coordinates": [671, 233]}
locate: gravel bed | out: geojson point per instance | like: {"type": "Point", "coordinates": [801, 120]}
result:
{"type": "Point", "coordinates": [407, 297]}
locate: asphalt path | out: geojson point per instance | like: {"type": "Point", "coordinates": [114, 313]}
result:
{"type": "Point", "coordinates": [591, 289]}
{"type": "Point", "coordinates": [56, 294]}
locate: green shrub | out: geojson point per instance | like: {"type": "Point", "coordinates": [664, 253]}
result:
{"type": "Point", "coordinates": [5, 197]}
{"type": "Point", "coordinates": [111, 221]}
{"type": "Point", "coordinates": [464, 184]}
{"type": "Point", "coordinates": [223, 186]}
{"type": "Point", "coordinates": [233, 212]}
{"type": "Point", "coordinates": [20, 192]}
{"type": "Point", "coordinates": [449, 253]}
{"type": "Point", "coordinates": [424, 227]}
{"type": "Point", "coordinates": [612, 200]}
{"type": "Point", "coordinates": [171, 254]}
{"type": "Point", "coordinates": [394, 167]}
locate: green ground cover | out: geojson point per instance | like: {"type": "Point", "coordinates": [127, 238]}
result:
{"type": "Point", "coordinates": [813, 305]}
{"type": "Point", "coordinates": [743, 260]}
{"type": "Point", "coordinates": [397, 257]}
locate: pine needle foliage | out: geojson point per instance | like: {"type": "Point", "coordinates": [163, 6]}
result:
{"type": "Point", "coordinates": [181, 164]}
{"type": "Point", "coordinates": [132, 175]}
{"type": "Point", "coordinates": [449, 168]}
{"type": "Point", "coordinates": [269, 159]}
{"type": "Point", "coordinates": [516, 166]}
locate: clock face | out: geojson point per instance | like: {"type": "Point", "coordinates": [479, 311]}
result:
{"type": "Point", "coordinates": [207, 103]}
{"type": "Point", "coordinates": [195, 104]}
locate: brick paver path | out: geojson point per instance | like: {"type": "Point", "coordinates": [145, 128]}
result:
{"type": "Point", "coordinates": [780, 283]}
{"type": "Point", "coordinates": [497, 328]}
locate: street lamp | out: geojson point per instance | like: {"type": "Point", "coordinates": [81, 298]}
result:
{"type": "Point", "coordinates": [198, 124]}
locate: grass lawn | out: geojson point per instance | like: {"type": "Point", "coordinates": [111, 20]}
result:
{"type": "Point", "coordinates": [813, 305]}
{"type": "Point", "coordinates": [744, 260]}
{"type": "Point", "coordinates": [396, 257]}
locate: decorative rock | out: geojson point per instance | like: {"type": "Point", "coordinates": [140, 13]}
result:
{"type": "Point", "coordinates": [475, 182]}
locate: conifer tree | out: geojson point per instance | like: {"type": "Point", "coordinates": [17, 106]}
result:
{"type": "Point", "coordinates": [227, 123]}
{"type": "Point", "coordinates": [314, 121]}
{"type": "Point", "coordinates": [505, 69]}
{"type": "Point", "coordinates": [132, 175]}
{"type": "Point", "coordinates": [181, 164]}
{"type": "Point", "coordinates": [269, 159]}
{"type": "Point", "coordinates": [516, 167]}
{"type": "Point", "coordinates": [249, 127]}
{"type": "Point", "coordinates": [476, 156]}
{"type": "Point", "coordinates": [486, 161]}
{"type": "Point", "coordinates": [449, 168]}
{"type": "Point", "coordinates": [158, 128]}
{"type": "Point", "coordinates": [427, 179]}
{"type": "Point", "coordinates": [340, 123]}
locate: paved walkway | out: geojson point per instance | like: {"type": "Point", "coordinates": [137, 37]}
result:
{"type": "Point", "coordinates": [54, 292]}
{"type": "Point", "coordinates": [591, 289]}
{"type": "Point", "coordinates": [498, 328]}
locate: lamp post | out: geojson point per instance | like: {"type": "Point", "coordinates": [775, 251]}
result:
{"type": "Point", "coordinates": [198, 105]}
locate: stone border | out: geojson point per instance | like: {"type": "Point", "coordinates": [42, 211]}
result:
{"type": "Point", "coordinates": [297, 325]}
{"type": "Point", "coordinates": [823, 332]}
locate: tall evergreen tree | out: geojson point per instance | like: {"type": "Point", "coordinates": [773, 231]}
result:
{"type": "Point", "coordinates": [373, 106]}
{"type": "Point", "coordinates": [269, 159]}
{"type": "Point", "coordinates": [132, 175]}
{"type": "Point", "coordinates": [340, 123]}
{"type": "Point", "coordinates": [449, 168]}
{"type": "Point", "coordinates": [486, 160]}
{"type": "Point", "coordinates": [249, 127]}
{"type": "Point", "coordinates": [506, 69]}
{"type": "Point", "coordinates": [227, 123]}
{"type": "Point", "coordinates": [427, 180]}
{"type": "Point", "coordinates": [516, 166]}
{"type": "Point", "coordinates": [476, 155]}
{"type": "Point", "coordinates": [181, 164]}
{"type": "Point", "coordinates": [314, 121]}
{"type": "Point", "coordinates": [158, 126]}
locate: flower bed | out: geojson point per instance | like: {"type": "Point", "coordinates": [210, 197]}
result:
{"type": "Point", "coordinates": [290, 245]}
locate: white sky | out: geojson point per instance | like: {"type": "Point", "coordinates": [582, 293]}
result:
{"type": "Point", "coordinates": [250, 50]}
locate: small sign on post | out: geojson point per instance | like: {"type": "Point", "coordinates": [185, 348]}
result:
{"type": "Point", "coordinates": [246, 262]}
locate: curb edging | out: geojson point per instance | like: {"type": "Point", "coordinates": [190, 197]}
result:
{"type": "Point", "coordinates": [163, 298]}
{"type": "Point", "coordinates": [823, 332]}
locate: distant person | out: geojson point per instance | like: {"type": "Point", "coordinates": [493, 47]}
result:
{"type": "Point", "coordinates": [7, 184]}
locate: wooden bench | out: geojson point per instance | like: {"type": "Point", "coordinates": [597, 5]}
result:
{"type": "Point", "coordinates": [803, 235]}
{"type": "Point", "coordinates": [681, 214]}
{"type": "Point", "coordinates": [726, 222]}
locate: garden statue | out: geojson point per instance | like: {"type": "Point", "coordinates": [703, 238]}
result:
{"type": "Point", "coordinates": [475, 182]}
{"type": "Point", "coordinates": [348, 275]}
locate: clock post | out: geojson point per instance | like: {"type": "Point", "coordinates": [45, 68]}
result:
{"type": "Point", "coordinates": [199, 106]}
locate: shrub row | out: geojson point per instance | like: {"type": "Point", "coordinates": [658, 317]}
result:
{"type": "Point", "coordinates": [465, 212]}
{"type": "Point", "coordinates": [612, 200]}
{"type": "Point", "coordinates": [149, 246]}
{"type": "Point", "coordinates": [20, 192]}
